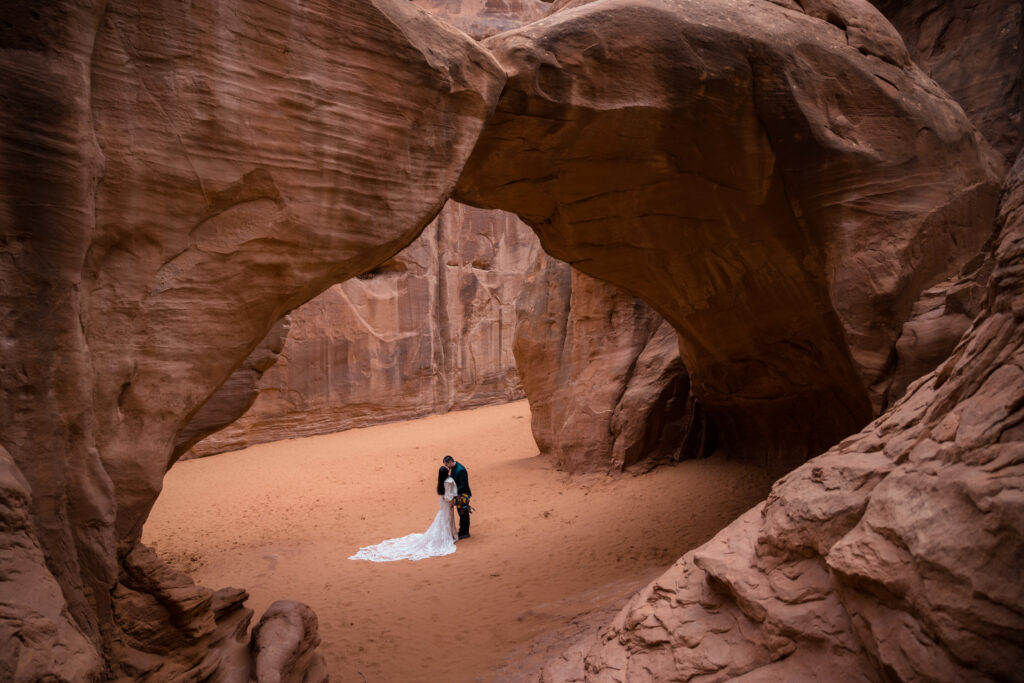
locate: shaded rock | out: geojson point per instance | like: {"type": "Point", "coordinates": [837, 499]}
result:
{"type": "Point", "coordinates": [38, 638]}
{"type": "Point", "coordinates": [770, 181]}
{"type": "Point", "coordinates": [175, 178]}
{"type": "Point", "coordinates": [233, 398]}
{"type": "Point", "coordinates": [426, 332]}
{"type": "Point", "coordinates": [937, 321]}
{"type": "Point", "coordinates": [284, 645]}
{"type": "Point", "coordinates": [974, 49]}
{"type": "Point", "coordinates": [895, 555]}
{"type": "Point", "coordinates": [602, 373]}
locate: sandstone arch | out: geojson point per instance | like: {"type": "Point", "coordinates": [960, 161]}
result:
{"type": "Point", "coordinates": [710, 158]}
{"type": "Point", "coordinates": [177, 178]}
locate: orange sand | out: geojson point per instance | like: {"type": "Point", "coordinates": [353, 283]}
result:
{"type": "Point", "coordinates": [549, 555]}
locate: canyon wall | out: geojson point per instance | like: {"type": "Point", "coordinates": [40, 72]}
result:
{"type": "Point", "coordinates": [893, 556]}
{"type": "Point", "coordinates": [430, 330]}
{"type": "Point", "coordinates": [773, 181]}
{"type": "Point", "coordinates": [177, 177]}
{"type": "Point", "coordinates": [602, 372]}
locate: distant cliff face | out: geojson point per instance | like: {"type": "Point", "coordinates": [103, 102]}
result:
{"type": "Point", "coordinates": [430, 330]}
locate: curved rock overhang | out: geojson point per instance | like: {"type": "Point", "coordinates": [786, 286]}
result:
{"type": "Point", "coordinates": [778, 184]}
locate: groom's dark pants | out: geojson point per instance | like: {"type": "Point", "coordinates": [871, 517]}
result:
{"type": "Point", "coordinates": [463, 522]}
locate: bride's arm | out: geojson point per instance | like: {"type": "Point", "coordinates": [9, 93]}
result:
{"type": "Point", "coordinates": [450, 490]}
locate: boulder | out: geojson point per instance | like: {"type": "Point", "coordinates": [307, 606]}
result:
{"type": "Point", "coordinates": [284, 645]}
{"type": "Point", "coordinates": [893, 556]}
{"type": "Point", "coordinates": [176, 178]}
{"type": "Point", "coordinates": [602, 372]}
{"type": "Point", "coordinates": [773, 181]}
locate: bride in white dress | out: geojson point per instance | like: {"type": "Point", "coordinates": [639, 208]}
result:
{"type": "Point", "coordinates": [438, 540]}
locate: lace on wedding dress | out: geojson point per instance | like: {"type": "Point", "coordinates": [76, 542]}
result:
{"type": "Point", "coordinates": [436, 541]}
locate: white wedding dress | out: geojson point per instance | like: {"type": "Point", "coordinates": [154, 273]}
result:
{"type": "Point", "coordinates": [438, 540]}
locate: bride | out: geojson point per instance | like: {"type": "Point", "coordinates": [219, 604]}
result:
{"type": "Point", "coordinates": [438, 540]}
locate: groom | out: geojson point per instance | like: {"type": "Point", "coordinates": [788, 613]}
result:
{"type": "Point", "coordinates": [461, 477]}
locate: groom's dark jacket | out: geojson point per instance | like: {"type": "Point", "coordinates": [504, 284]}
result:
{"type": "Point", "coordinates": [461, 477]}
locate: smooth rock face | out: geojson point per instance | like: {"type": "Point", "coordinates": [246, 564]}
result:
{"type": "Point", "coordinates": [771, 181]}
{"type": "Point", "coordinates": [602, 371]}
{"type": "Point", "coordinates": [974, 49]}
{"type": "Point", "coordinates": [176, 177]}
{"type": "Point", "coordinates": [894, 556]}
{"type": "Point", "coordinates": [429, 331]}
{"type": "Point", "coordinates": [284, 644]}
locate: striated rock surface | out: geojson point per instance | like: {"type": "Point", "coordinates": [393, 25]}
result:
{"type": "Point", "coordinates": [894, 556]}
{"type": "Point", "coordinates": [39, 640]}
{"type": "Point", "coordinates": [175, 178]}
{"type": "Point", "coordinates": [233, 398]}
{"type": "Point", "coordinates": [429, 331]}
{"type": "Point", "coordinates": [937, 322]}
{"type": "Point", "coordinates": [974, 49]}
{"type": "Point", "coordinates": [602, 372]}
{"type": "Point", "coordinates": [772, 181]}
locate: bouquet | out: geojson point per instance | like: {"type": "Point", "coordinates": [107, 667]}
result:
{"type": "Point", "coordinates": [462, 502]}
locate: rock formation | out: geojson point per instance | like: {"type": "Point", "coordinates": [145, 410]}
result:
{"type": "Point", "coordinates": [937, 322]}
{"type": "Point", "coordinates": [778, 181]}
{"type": "Point", "coordinates": [602, 371]}
{"type": "Point", "coordinates": [176, 178]}
{"type": "Point", "coordinates": [893, 556]}
{"type": "Point", "coordinates": [429, 331]}
{"type": "Point", "coordinates": [974, 50]}
{"type": "Point", "coordinates": [773, 182]}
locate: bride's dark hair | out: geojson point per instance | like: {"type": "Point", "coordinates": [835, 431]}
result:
{"type": "Point", "coordinates": [442, 474]}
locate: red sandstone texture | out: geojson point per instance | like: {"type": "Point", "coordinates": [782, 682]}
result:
{"type": "Point", "coordinates": [602, 372]}
{"type": "Point", "coordinates": [175, 179]}
{"type": "Point", "coordinates": [773, 182]}
{"type": "Point", "coordinates": [429, 331]}
{"type": "Point", "coordinates": [895, 555]}
{"type": "Point", "coordinates": [778, 181]}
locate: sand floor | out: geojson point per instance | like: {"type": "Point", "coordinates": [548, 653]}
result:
{"type": "Point", "coordinates": [550, 555]}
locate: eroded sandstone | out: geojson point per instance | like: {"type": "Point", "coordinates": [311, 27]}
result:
{"type": "Point", "coordinates": [176, 179]}
{"type": "Point", "coordinates": [895, 555]}
{"type": "Point", "coordinates": [602, 372]}
{"type": "Point", "coordinates": [772, 181]}
{"type": "Point", "coordinates": [974, 49]}
{"type": "Point", "coordinates": [430, 330]}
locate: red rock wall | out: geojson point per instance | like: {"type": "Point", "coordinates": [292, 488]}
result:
{"type": "Point", "coordinates": [175, 178]}
{"type": "Point", "coordinates": [782, 218]}
{"type": "Point", "coordinates": [893, 556]}
{"type": "Point", "coordinates": [973, 49]}
{"type": "Point", "coordinates": [601, 369]}
{"type": "Point", "coordinates": [429, 331]}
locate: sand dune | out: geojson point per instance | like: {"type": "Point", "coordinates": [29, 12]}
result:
{"type": "Point", "coordinates": [549, 554]}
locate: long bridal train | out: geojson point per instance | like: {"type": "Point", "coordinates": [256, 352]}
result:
{"type": "Point", "coordinates": [439, 539]}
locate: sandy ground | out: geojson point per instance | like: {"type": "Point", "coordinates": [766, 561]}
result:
{"type": "Point", "coordinates": [549, 555]}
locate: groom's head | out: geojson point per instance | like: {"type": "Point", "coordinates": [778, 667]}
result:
{"type": "Point", "coordinates": [449, 461]}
